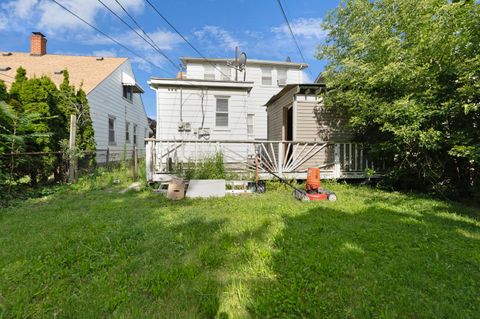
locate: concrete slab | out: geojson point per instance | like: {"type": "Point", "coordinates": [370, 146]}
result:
{"type": "Point", "coordinates": [204, 188]}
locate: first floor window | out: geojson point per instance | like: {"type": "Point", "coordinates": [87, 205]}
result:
{"type": "Point", "coordinates": [135, 134]}
{"type": "Point", "coordinates": [221, 115]}
{"type": "Point", "coordinates": [146, 133]}
{"type": "Point", "coordinates": [111, 130]}
{"type": "Point", "coordinates": [127, 132]}
{"type": "Point", "coordinates": [250, 124]}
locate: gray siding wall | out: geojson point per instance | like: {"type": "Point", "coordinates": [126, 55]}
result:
{"type": "Point", "coordinates": [275, 116]}
{"type": "Point", "coordinates": [107, 100]}
{"type": "Point", "coordinates": [314, 122]}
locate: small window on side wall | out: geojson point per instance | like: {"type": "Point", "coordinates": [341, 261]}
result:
{"type": "Point", "coordinates": [127, 132]}
{"type": "Point", "coordinates": [128, 92]}
{"type": "Point", "coordinates": [221, 115]}
{"type": "Point", "coordinates": [111, 130]}
{"type": "Point", "coordinates": [250, 124]}
{"type": "Point", "coordinates": [135, 134]}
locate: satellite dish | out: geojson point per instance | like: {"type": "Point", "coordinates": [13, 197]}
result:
{"type": "Point", "coordinates": [242, 61]}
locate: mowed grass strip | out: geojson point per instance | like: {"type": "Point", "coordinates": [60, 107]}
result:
{"type": "Point", "coordinates": [92, 252]}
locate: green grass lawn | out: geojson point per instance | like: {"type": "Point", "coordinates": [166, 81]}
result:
{"type": "Point", "coordinates": [90, 252]}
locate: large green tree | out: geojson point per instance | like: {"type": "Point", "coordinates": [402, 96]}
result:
{"type": "Point", "coordinates": [408, 73]}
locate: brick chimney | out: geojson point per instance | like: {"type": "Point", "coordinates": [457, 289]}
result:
{"type": "Point", "coordinates": [38, 44]}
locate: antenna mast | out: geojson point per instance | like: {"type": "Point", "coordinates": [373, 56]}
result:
{"type": "Point", "coordinates": [236, 63]}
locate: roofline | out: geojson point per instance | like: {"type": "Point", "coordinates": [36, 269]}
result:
{"type": "Point", "coordinates": [288, 87]}
{"type": "Point", "coordinates": [157, 82]}
{"type": "Point", "coordinates": [254, 61]}
{"type": "Point", "coordinates": [69, 55]}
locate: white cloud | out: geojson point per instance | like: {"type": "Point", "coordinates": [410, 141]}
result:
{"type": "Point", "coordinates": [3, 22]}
{"type": "Point", "coordinates": [105, 53]}
{"type": "Point", "coordinates": [215, 37]}
{"type": "Point", "coordinates": [51, 18]}
{"type": "Point", "coordinates": [307, 28]}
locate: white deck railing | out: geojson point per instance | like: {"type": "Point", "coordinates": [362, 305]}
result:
{"type": "Point", "coordinates": [287, 158]}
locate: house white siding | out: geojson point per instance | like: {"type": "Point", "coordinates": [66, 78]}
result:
{"type": "Point", "coordinates": [259, 94]}
{"type": "Point", "coordinates": [107, 100]}
{"type": "Point", "coordinates": [169, 117]}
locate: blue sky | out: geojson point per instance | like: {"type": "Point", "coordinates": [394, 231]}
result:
{"type": "Point", "coordinates": [214, 27]}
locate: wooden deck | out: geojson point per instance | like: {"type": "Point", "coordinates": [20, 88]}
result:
{"type": "Point", "coordinates": [289, 159]}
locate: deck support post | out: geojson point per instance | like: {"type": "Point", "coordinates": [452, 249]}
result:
{"type": "Point", "coordinates": [337, 163]}
{"type": "Point", "coordinates": [280, 158]}
{"type": "Point", "coordinates": [149, 160]}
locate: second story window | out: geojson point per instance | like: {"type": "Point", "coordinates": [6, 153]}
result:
{"type": "Point", "coordinates": [127, 132]}
{"type": "Point", "coordinates": [266, 76]}
{"type": "Point", "coordinates": [209, 72]}
{"type": "Point", "coordinates": [221, 114]}
{"type": "Point", "coordinates": [226, 73]}
{"type": "Point", "coordinates": [128, 92]}
{"type": "Point", "coordinates": [281, 77]}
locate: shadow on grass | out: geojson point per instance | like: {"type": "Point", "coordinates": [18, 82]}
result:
{"type": "Point", "coordinates": [375, 263]}
{"type": "Point", "coordinates": [130, 255]}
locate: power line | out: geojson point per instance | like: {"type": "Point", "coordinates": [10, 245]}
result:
{"type": "Point", "coordinates": [133, 29]}
{"type": "Point", "coordinates": [292, 34]}
{"type": "Point", "coordinates": [143, 31]}
{"type": "Point", "coordinates": [107, 36]}
{"type": "Point", "coordinates": [184, 38]}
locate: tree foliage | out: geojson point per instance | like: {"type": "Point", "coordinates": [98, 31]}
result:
{"type": "Point", "coordinates": [36, 119]}
{"type": "Point", "coordinates": [408, 72]}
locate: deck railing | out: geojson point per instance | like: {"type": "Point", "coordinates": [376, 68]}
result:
{"type": "Point", "coordinates": [287, 158]}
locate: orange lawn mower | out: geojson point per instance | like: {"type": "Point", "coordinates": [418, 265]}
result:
{"type": "Point", "coordinates": [314, 191]}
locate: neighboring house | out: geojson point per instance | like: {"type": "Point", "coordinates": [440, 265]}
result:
{"type": "Point", "coordinates": [209, 98]}
{"type": "Point", "coordinates": [116, 107]}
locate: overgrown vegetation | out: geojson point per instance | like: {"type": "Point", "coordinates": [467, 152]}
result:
{"type": "Point", "coordinates": [35, 118]}
{"type": "Point", "coordinates": [408, 73]}
{"type": "Point", "coordinates": [211, 167]}
{"type": "Point", "coordinates": [89, 251]}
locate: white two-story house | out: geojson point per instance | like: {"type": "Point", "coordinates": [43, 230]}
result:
{"type": "Point", "coordinates": [211, 100]}
{"type": "Point", "coordinates": [116, 107]}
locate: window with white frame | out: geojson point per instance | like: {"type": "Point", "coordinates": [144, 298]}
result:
{"type": "Point", "coordinates": [127, 132]}
{"type": "Point", "coordinates": [226, 73]}
{"type": "Point", "coordinates": [128, 92]}
{"type": "Point", "coordinates": [221, 115]}
{"type": "Point", "coordinates": [111, 130]}
{"type": "Point", "coordinates": [281, 77]}
{"type": "Point", "coordinates": [135, 134]}
{"type": "Point", "coordinates": [250, 124]}
{"type": "Point", "coordinates": [145, 135]}
{"type": "Point", "coordinates": [266, 76]}
{"type": "Point", "coordinates": [208, 72]}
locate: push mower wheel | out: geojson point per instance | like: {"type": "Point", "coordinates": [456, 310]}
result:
{"type": "Point", "coordinates": [332, 197]}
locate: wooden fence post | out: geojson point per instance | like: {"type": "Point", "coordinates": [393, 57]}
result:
{"type": "Point", "coordinates": [72, 164]}
{"type": "Point", "coordinates": [134, 163]}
